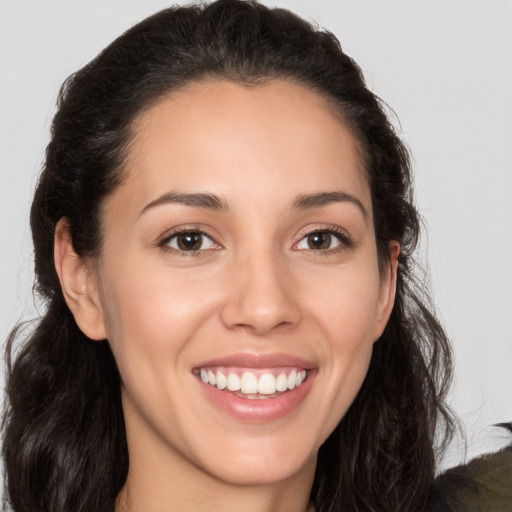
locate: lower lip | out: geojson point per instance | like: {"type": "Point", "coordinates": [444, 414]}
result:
{"type": "Point", "coordinates": [258, 410]}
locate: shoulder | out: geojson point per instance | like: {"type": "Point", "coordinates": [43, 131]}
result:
{"type": "Point", "coordinates": [484, 484]}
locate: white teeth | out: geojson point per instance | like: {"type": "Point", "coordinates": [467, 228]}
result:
{"type": "Point", "coordinates": [282, 382]}
{"type": "Point", "coordinates": [291, 379]}
{"type": "Point", "coordinates": [222, 381]}
{"type": "Point", "coordinates": [249, 384]}
{"type": "Point", "coordinates": [267, 384]}
{"type": "Point", "coordinates": [233, 382]}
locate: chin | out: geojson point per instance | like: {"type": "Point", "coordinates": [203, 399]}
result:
{"type": "Point", "coordinates": [259, 469]}
{"type": "Point", "coordinates": [260, 461]}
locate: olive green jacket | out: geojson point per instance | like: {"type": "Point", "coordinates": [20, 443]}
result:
{"type": "Point", "coordinates": [482, 485]}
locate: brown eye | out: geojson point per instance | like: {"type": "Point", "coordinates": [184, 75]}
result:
{"type": "Point", "coordinates": [321, 241]}
{"type": "Point", "coordinates": [190, 241]}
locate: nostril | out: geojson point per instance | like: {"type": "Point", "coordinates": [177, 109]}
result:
{"type": "Point", "coordinates": [258, 321]}
{"type": "Point", "coordinates": [261, 328]}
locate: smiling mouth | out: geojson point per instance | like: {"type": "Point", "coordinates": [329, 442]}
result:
{"type": "Point", "coordinates": [253, 384]}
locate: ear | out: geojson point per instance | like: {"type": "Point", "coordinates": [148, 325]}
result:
{"type": "Point", "coordinates": [387, 289]}
{"type": "Point", "coordinates": [79, 284]}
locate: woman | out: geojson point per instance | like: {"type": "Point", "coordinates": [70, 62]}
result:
{"type": "Point", "coordinates": [223, 233]}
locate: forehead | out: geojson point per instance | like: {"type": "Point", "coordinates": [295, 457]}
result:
{"type": "Point", "coordinates": [231, 139]}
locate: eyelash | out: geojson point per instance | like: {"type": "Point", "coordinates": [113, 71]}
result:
{"type": "Point", "coordinates": [339, 234]}
{"type": "Point", "coordinates": [164, 242]}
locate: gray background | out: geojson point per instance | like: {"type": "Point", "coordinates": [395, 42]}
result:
{"type": "Point", "coordinates": [444, 66]}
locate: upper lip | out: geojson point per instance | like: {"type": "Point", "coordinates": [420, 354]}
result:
{"type": "Point", "coordinates": [246, 360]}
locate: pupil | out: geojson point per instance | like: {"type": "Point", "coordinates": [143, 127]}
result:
{"type": "Point", "coordinates": [319, 240]}
{"type": "Point", "coordinates": [190, 241]}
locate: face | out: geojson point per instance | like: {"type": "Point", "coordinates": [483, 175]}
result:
{"type": "Point", "coordinates": [238, 280]}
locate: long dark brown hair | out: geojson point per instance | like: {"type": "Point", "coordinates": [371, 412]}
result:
{"type": "Point", "coordinates": [64, 439]}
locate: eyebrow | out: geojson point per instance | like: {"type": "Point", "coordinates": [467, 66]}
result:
{"type": "Point", "coordinates": [317, 200]}
{"type": "Point", "coordinates": [200, 200]}
{"type": "Point", "coordinates": [213, 202]}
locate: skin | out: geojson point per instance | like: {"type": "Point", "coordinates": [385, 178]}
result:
{"type": "Point", "coordinates": [256, 287]}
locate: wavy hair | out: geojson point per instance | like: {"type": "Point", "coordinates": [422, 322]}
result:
{"type": "Point", "coordinates": [64, 439]}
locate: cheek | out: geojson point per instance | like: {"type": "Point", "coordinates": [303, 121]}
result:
{"type": "Point", "coordinates": [150, 315]}
{"type": "Point", "coordinates": [346, 314]}
{"type": "Point", "coordinates": [347, 306]}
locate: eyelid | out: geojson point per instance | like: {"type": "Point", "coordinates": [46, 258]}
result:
{"type": "Point", "coordinates": [163, 241]}
{"type": "Point", "coordinates": [341, 234]}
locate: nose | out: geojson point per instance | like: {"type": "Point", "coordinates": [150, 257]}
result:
{"type": "Point", "coordinates": [261, 297]}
